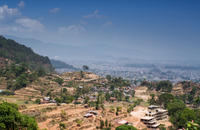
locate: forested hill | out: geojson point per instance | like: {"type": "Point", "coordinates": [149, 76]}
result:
{"type": "Point", "coordinates": [21, 54]}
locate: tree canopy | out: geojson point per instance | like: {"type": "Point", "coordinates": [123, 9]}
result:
{"type": "Point", "coordinates": [11, 118]}
{"type": "Point", "coordinates": [85, 67]}
{"type": "Point", "coordinates": [125, 127]}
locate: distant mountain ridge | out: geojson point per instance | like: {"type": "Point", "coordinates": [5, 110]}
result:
{"type": "Point", "coordinates": [57, 64]}
{"type": "Point", "coordinates": [21, 54]}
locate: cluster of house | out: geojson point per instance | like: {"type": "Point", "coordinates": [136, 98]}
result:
{"type": "Point", "coordinates": [153, 115]}
{"type": "Point", "coordinates": [128, 90]}
{"type": "Point", "coordinates": [90, 113]}
{"type": "Point", "coordinates": [47, 100]}
{"type": "Point", "coordinates": [124, 89]}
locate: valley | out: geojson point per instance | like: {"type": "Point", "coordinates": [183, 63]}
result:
{"type": "Point", "coordinates": [37, 97]}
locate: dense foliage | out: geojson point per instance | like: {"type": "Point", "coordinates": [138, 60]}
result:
{"type": "Point", "coordinates": [19, 53]}
{"type": "Point", "coordinates": [163, 86]}
{"type": "Point", "coordinates": [18, 76]}
{"type": "Point", "coordinates": [179, 113]}
{"type": "Point", "coordinates": [11, 119]}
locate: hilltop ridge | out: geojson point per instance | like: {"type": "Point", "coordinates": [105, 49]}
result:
{"type": "Point", "coordinates": [11, 50]}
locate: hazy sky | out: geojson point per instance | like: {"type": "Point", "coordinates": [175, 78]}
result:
{"type": "Point", "coordinates": [135, 29]}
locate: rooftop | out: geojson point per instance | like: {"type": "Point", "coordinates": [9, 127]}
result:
{"type": "Point", "coordinates": [153, 106]}
{"type": "Point", "coordinates": [123, 122]}
{"type": "Point", "coordinates": [88, 115]}
{"type": "Point", "coordinates": [147, 118]}
{"type": "Point", "coordinates": [155, 125]}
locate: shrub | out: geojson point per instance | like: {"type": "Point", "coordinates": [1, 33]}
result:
{"type": "Point", "coordinates": [62, 126]}
{"type": "Point", "coordinates": [63, 115]}
{"type": "Point", "coordinates": [79, 122]}
{"type": "Point", "coordinates": [37, 101]}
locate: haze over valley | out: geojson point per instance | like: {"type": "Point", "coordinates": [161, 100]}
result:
{"type": "Point", "coordinates": [126, 67]}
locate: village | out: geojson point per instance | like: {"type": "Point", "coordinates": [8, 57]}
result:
{"type": "Point", "coordinates": [96, 105]}
{"type": "Point", "coordinates": [82, 116]}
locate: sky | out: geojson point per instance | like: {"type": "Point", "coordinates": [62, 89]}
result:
{"type": "Point", "coordinates": [151, 30]}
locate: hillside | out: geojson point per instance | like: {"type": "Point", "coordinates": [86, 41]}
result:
{"type": "Point", "coordinates": [9, 49]}
{"type": "Point", "coordinates": [65, 99]}
{"type": "Point", "coordinates": [73, 92]}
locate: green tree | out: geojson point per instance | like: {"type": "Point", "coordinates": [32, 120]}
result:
{"type": "Point", "coordinates": [60, 81]}
{"type": "Point", "coordinates": [192, 126]}
{"type": "Point", "coordinates": [106, 123]}
{"type": "Point", "coordinates": [85, 68]}
{"type": "Point", "coordinates": [192, 94]}
{"type": "Point", "coordinates": [101, 124]}
{"type": "Point", "coordinates": [97, 103]}
{"type": "Point", "coordinates": [107, 96]}
{"type": "Point", "coordinates": [180, 118]}
{"type": "Point", "coordinates": [175, 106]}
{"type": "Point", "coordinates": [64, 90]}
{"type": "Point", "coordinates": [165, 86]}
{"type": "Point", "coordinates": [165, 98]}
{"type": "Point", "coordinates": [112, 87]}
{"type": "Point", "coordinates": [81, 74]}
{"type": "Point", "coordinates": [37, 101]}
{"type": "Point", "coordinates": [125, 127]}
{"type": "Point", "coordinates": [62, 126]}
{"type": "Point", "coordinates": [180, 114]}
{"type": "Point", "coordinates": [197, 102]}
{"type": "Point", "coordinates": [127, 98]}
{"type": "Point", "coordinates": [108, 77]}
{"type": "Point", "coordinates": [152, 101]}
{"type": "Point", "coordinates": [133, 93]}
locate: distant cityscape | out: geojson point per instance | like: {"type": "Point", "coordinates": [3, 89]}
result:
{"type": "Point", "coordinates": [151, 72]}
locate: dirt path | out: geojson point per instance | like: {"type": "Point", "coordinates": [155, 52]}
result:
{"type": "Point", "coordinates": [139, 111]}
